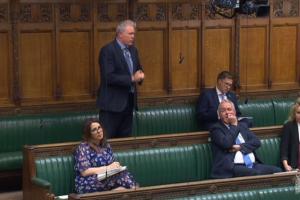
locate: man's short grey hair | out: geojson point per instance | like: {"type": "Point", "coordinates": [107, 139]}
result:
{"type": "Point", "coordinates": [123, 24]}
{"type": "Point", "coordinates": [225, 101]}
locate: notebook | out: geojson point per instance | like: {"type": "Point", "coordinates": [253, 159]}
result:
{"type": "Point", "coordinates": [109, 173]}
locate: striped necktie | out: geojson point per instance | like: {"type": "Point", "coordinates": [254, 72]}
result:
{"type": "Point", "coordinates": [128, 60]}
{"type": "Point", "coordinates": [246, 157]}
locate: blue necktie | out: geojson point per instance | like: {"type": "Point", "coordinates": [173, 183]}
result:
{"type": "Point", "coordinates": [128, 60]}
{"type": "Point", "coordinates": [222, 96]}
{"type": "Point", "coordinates": [246, 157]}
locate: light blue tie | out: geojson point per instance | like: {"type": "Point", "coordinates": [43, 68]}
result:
{"type": "Point", "coordinates": [128, 60]}
{"type": "Point", "coordinates": [246, 157]}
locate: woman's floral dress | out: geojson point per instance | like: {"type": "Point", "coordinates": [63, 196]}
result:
{"type": "Point", "coordinates": [86, 157]}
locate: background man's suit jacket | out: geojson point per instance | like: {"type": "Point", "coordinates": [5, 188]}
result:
{"type": "Point", "coordinates": [207, 107]}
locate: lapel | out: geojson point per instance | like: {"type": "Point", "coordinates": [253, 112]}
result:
{"type": "Point", "coordinates": [228, 95]}
{"type": "Point", "coordinates": [215, 97]}
{"type": "Point", "coordinates": [121, 55]}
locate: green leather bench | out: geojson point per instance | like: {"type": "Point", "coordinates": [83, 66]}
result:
{"type": "Point", "coordinates": [150, 167]}
{"type": "Point", "coordinates": [165, 120]}
{"type": "Point", "coordinates": [17, 131]}
{"type": "Point", "coordinates": [36, 129]}
{"type": "Point", "coordinates": [262, 112]}
{"type": "Point", "coordinates": [281, 110]}
{"type": "Point", "coordinates": [277, 193]}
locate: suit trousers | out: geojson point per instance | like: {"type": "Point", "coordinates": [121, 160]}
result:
{"type": "Point", "coordinates": [258, 169]}
{"type": "Point", "coordinates": [118, 124]}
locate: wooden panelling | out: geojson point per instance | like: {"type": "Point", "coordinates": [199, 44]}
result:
{"type": "Point", "coordinates": [152, 59]}
{"type": "Point", "coordinates": [217, 53]}
{"type": "Point", "coordinates": [103, 38]}
{"type": "Point", "coordinates": [49, 49]}
{"type": "Point", "coordinates": [4, 12]}
{"type": "Point", "coordinates": [283, 58]}
{"type": "Point", "coordinates": [111, 10]}
{"type": "Point", "coordinates": [74, 64]}
{"type": "Point", "coordinates": [184, 63]}
{"type": "Point", "coordinates": [5, 83]}
{"type": "Point", "coordinates": [36, 67]}
{"type": "Point", "coordinates": [253, 54]}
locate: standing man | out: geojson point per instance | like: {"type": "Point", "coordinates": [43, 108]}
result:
{"type": "Point", "coordinates": [233, 147]}
{"type": "Point", "coordinates": [210, 99]}
{"type": "Point", "coordinates": [120, 71]}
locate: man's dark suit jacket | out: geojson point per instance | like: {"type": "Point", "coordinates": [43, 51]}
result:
{"type": "Point", "coordinates": [222, 140]}
{"type": "Point", "coordinates": [290, 144]}
{"type": "Point", "coordinates": [115, 77]}
{"type": "Point", "coordinates": [207, 107]}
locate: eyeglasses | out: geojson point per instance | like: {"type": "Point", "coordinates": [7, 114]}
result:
{"type": "Point", "coordinates": [96, 129]}
{"type": "Point", "coordinates": [226, 83]}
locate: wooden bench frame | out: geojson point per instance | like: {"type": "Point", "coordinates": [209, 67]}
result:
{"type": "Point", "coordinates": [33, 152]}
{"type": "Point", "coordinates": [193, 188]}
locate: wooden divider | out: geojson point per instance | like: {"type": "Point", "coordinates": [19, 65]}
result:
{"type": "Point", "coordinates": [195, 188]}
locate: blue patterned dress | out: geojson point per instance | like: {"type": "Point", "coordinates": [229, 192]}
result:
{"type": "Point", "coordinates": [86, 157]}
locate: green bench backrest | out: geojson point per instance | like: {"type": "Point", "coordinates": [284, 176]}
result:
{"type": "Point", "coordinates": [287, 193]}
{"type": "Point", "coordinates": [59, 171]}
{"type": "Point", "coordinates": [282, 109]}
{"type": "Point", "coordinates": [280, 193]}
{"type": "Point", "coordinates": [167, 119]}
{"type": "Point", "coordinates": [36, 129]}
{"type": "Point", "coordinates": [160, 166]}
{"type": "Point", "coordinates": [262, 112]}
{"type": "Point", "coordinates": [241, 195]}
{"type": "Point", "coordinates": [269, 152]}
{"type": "Point", "coordinates": [203, 155]}
{"type": "Point", "coordinates": [15, 132]}
{"type": "Point", "coordinates": [40, 129]}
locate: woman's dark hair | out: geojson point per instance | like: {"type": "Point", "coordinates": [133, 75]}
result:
{"type": "Point", "coordinates": [87, 132]}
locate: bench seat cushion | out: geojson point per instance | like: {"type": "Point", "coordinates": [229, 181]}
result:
{"type": "Point", "coordinates": [11, 160]}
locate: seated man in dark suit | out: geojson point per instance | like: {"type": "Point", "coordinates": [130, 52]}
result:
{"type": "Point", "coordinates": [210, 99]}
{"type": "Point", "coordinates": [233, 147]}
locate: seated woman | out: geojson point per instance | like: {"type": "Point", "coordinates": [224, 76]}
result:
{"type": "Point", "coordinates": [94, 156]}
{"type": "Point", "coordinates": [290, 148]}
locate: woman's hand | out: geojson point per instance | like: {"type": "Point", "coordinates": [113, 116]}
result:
{"type": "Point", "coordinates": [99, 170]}
{"type": "Point", "coordinates": [114, 165]}
{"type": "Point", "coordinates": [286, 166]}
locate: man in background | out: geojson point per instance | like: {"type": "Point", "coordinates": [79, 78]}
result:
{"type": "Point", "coordinates": [120, 71]}
{"type": "Point", "coordinates": [210, 99]}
